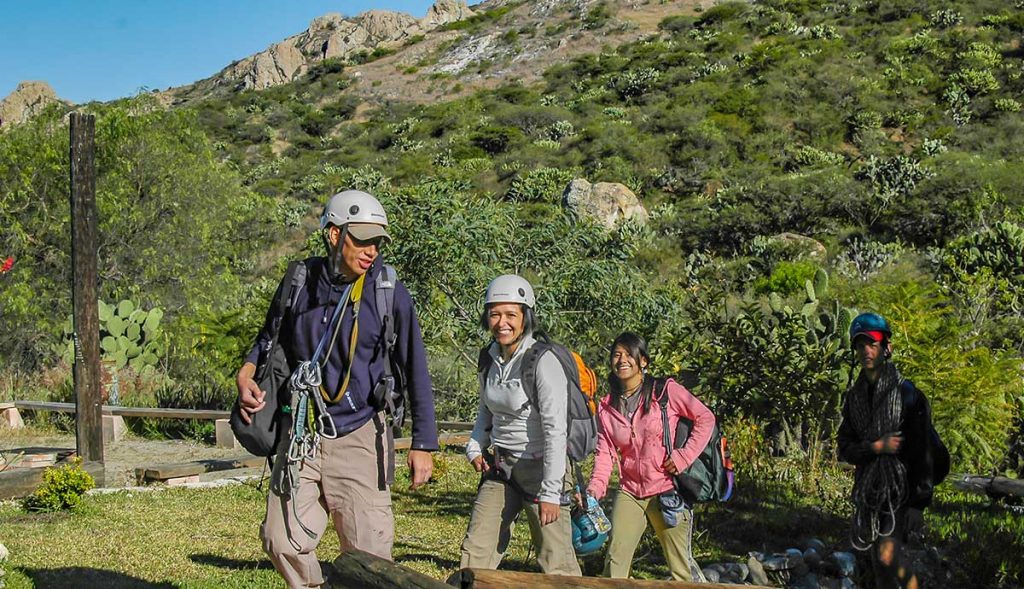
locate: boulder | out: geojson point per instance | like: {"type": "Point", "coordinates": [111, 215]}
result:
{"type": "Point", "coordinates": [738, 570]}
{"type": "Point", "coordinates": [845, 561]}
{"type": "Point", "coordinates": [812, 558]}
{"type": "Point", "coordinates": [711, 575]}
{"type": "Point", "coordinates": [757, 574]}
{"type": "Point", "coordinates": [4, 553]}
{"type": "Point", "coordinates": [607, 202]}
{"type": "Point", "coordinates": [800, 246]}
{"type": "Point", "coordinates": [817, 545]}
{"type": "Point", "coordinates": [27, 100]}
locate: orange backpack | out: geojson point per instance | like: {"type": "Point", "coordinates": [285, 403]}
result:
{"type": "Point", "coordinates": [588, 382]}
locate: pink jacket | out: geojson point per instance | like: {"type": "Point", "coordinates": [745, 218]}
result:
{"type": "Point", "coordinates": [639, 448]}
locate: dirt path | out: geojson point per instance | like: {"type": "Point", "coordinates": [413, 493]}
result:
{"type": "Point", "coordinates": [122, 458]}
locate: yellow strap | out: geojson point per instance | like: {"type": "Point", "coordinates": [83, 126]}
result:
{"type": "Point", "coordinates": [355, 297]}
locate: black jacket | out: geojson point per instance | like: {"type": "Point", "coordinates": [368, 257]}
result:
{"type": "Point", "coordinates": [922, 453]}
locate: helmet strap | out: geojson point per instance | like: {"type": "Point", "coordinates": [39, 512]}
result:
{"type": "Point", "coordinates": [334, 255]}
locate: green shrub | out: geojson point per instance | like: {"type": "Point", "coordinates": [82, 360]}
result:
{"type": "Point", "coordinates": [494, 139]}
{"type": "Point", "coordinates": [540, 185]}
{"type": "Point", "coordinates": [62, 489]}
{"type": "Point", "coordinates": [1007, 105]}
{"type": "Point", "coordinates": [677, 23]}
{"type": "Point", "coordinates": [787, 278]}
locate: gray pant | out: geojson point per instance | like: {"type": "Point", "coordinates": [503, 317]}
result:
{"type": "Point", "coordinates": [343, 482]}
{"type": "Point", "coordinates": [497, 505]}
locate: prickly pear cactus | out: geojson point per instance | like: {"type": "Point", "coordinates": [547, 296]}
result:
{"type": "Point", "coordinates": [129, 336]}
{"type": "Point", "coordinates": [827, 325]}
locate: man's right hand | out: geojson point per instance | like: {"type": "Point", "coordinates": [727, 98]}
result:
{"type": "Point", "coordinates": [480, 465]}
{"type": "Point", "coordinates": [888, 444]}
{"type": "Point", "coordinates": [250, 397]}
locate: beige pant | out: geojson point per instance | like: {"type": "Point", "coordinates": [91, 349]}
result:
{"type": "Point", "coordinates": [343, 482]}
{"type": "Point", "coordinates": [629, 520]}
{"type": "Point", "coordinates": [496, 508]}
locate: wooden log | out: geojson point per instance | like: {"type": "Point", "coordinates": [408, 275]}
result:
{"type": "Point", "coordinates": [995, 487]}
{"type": "Point", "coordinates": [488, 579]}
{"type": "Point", "coordinates": [464, 426]}
{"type": "Point", "coordinates": [84, 263]}
{"type": "Point", "coordinates": [445, 439]}
{"type": "Point", "coordinates": [21, 482]}
{"type": "Point", "coordinates": [174, 470]}
{"type": "Point", "coordinates": [359, 570]}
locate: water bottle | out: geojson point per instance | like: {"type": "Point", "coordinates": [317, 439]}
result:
{"type": "Point", "coordinates": [597, 516]}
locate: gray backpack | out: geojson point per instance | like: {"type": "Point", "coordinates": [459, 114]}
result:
{"type": "Point", "coordinates": [581, 429]}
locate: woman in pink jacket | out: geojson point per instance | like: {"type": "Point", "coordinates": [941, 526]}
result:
{"type": "Point", "coordinates": [630, 434]}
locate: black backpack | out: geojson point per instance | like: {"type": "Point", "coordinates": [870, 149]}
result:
{"type": "Point", "coordinates": [581, 426]}
{"type": "Point", "coordinates": [710, 477]}
{"type": "Point", "coordinates": [273, 371]}
{"type": "Point", "coordinates": [261, 436]}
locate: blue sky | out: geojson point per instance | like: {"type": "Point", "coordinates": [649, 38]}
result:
{"type": "Point", "coordinates": [105, 49]}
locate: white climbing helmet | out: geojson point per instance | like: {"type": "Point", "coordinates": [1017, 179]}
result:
{"type": "Point", "coordinates": [510, 288]}
{"type": "Point", "coordinates": [361, 212]}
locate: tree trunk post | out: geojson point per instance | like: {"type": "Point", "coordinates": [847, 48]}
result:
{"type": "Point", "coordinates": [88, 421]}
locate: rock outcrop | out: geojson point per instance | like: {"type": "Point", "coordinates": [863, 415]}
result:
{"type": "Point", "coordinates": [608, 202]}
{"type": "Point", "coordinates": [277, 65]}
{"type": "Point", "coordinates": [334, 36]}
{"type": "Point", "coordinates": [444, 12]}
{"type": "Point", "coordinates": [27, 100]}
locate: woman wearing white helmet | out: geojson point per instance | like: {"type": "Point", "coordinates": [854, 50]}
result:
{"type": "Point", "coordinates": [518, 443]}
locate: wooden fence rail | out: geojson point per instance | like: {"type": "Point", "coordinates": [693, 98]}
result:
{"type": "Point", "coordinates": [173, 413]}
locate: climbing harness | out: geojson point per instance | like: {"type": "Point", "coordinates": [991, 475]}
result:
{"type": "Point", "coordinates": [310, 421]}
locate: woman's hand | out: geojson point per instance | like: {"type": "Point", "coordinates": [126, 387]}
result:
{"type": "Point", "coordinates": [480, 465]}
{"type": "Point", "coordinates": [549, 512]}
{"type": "Point", "coordinates": [670, 466]}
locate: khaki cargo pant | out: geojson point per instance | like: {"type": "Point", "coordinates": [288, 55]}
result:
{"type": "Point", "coordinates": [629, 520]}
{"type": "Point", "coordinates": [343, 482]}
{"type": "Point", "coordinates": [495, 510]}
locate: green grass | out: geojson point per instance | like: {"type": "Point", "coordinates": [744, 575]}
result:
{"type": "Point", "coordinates": [209, 537]}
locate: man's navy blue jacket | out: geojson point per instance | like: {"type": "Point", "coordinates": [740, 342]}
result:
{"type": "Point", "coordinates": [309, 318]}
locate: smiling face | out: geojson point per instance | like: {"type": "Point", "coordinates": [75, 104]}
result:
{"type": "Point", "coordinates": [505, 322]}
{"type": "Point", "coordinates": [629, 370]}
{"type": "Point", "coordinates": [356, 255]}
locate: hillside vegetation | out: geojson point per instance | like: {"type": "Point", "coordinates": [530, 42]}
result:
{"type": "Point", "coordinates": [801, 161]}
{"type": "Point", "coordinates": [887, 131]}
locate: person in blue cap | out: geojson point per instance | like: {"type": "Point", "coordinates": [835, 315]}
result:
{"type": "Point", "coordinates": [887, 434]}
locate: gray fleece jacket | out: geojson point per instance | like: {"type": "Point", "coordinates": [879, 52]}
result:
{"type": "Point", "coordinates": [509, 420]}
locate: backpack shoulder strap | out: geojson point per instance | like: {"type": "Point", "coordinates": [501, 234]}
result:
{"type": "Point", "coordinates": [666, 435]}
{"type": "Point", "coordinates": [531, 358]}
{"type": "Point", "coordinates": [384, 287]}
{"type": "Point", "coordinates": [484, 361]}
{"type": "Point", "coordinates": [293, 281]}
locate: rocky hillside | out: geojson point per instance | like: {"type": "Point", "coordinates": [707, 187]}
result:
{"type": "Point", "coordinates": [452, 50]}
{"type": "Point", "coordinates": [331, 36]}
{"type": "Point", "coordinates": [27, 100]}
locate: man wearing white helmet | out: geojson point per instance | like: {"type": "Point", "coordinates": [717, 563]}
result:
{"type": "Point", "coordinates": [527, 469]}
{"type": "Point", "coordinates": [347, 477]}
